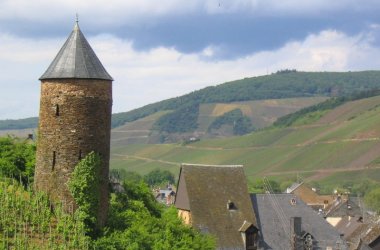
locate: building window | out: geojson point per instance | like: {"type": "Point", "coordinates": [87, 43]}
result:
{"type": "Point", "coordinates": [80, 155]}
{"type": "Point", "coordinates": [230, 205]}
{"type": "Point", "coordinates": [53, 164]}
{"type": "Point", "coordinates": [56, 110]}
{"type": "Point", "coordinates": [293, 201]}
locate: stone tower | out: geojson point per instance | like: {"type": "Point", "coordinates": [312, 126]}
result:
{"type": "Point", "coordinates": [75, 119]}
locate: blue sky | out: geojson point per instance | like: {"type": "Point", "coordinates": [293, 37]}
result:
{"type": "Point", "coordinates": [160, 49]}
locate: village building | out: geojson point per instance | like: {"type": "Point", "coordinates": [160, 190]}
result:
{"type": "Point", "coordinates": [165, 196]}
{"type": "Point", "coordinates": [74, 120]}
{"type": "Point", "coordinates": [311, 197]}
{"type": "Point", "coordinates": [286, 222]}
{"type": "Point", "coordinates": [215, 200]}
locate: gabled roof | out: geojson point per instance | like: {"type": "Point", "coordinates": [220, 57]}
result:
{"type": "Point", "coordinates": [350, 207]}
{"type": "Point", "coordinates": [310, 197]}
{"type": "Point", "coordinates": [205, 190]}
{"type": "Point", "coordinates": [274, 213]}
{"type": "Point", "coordinates": [76, 59]}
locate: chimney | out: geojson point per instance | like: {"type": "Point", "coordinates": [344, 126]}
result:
{"type": "Point", "coordinates": [295, 232]}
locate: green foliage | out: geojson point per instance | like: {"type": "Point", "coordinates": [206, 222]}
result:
{"type": "Point", "coordinates": [241, 123]}
{"type": "Point", "coordinates": [133, 224]}
{"type": "Point", "coordinates": [158, 177]}
{"type": "Point", "coordinates": [313, 113]}
{"type": "Point", "coordinates": [122, 175]}
{"type": "Point", "coordinates": [260, 186]}
{"type": "Point", "coordinates": [28, 222]}
{"type": "Point", "coordinates": [85, 189]}
{"type": "Point", "coordinates": [372, 199]}
{"type": "Point", "coordinates": [184, 119]}
{"type": "Point", "coordinates": [283, 85]}
{"type": "Point", "coordinates": [17, 159]}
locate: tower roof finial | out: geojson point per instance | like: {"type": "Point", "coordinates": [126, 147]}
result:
{"type": "Point", "coordinates": [77, 18]}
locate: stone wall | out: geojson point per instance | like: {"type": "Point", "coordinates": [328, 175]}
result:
{"type": "Point", "coordinates": [75, 119]}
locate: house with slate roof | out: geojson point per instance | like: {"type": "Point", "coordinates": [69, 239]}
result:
{"type": "Point", "coordinates": [286, 222]}
{"type": "Point", "coordinates": [350, 207]}
{"type": "Point", "coordinates": [215, 200]}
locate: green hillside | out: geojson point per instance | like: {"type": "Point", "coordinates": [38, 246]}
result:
{"type": "Point", "coordinates": [257, 114]}
{"type": "Point", "coordinates": [283, 84]}
{"type": "Point", "coordinates": [344, 140]}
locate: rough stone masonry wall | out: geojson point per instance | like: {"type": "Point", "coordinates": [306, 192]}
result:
{"type": "Point", "coordinates": [75, 119]}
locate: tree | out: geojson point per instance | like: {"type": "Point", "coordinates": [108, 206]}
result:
{"type": "Point", "coordinates": [137, 221]}
{"type": "Point", "coordinates": [122, 175]}
{"type": "Point", "coordinates": [158, 177]}
{"type": "Point", "coordinates": [17, 159]}
{"type": "Point", "coordinates": [372, 199]}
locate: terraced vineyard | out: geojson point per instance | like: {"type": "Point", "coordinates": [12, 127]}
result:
{"type": "Point", "coordinates": [262, 113]}
{"type": "Point", "coordinates": [344, 140]}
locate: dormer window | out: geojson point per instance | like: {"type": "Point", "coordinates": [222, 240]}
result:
{"type": "Point", "coordinates": [249, 235]}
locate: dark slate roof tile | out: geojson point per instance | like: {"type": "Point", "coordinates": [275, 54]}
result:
{"type": "Point", "coordinates": [274, 213]}
{"type": "Point", "coordinates": [76, 59]}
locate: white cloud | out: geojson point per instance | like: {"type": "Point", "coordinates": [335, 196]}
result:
{"type": "Point", "coordinates": [121, 12]}
{"type": "Point", "coordinates": [143, 77]}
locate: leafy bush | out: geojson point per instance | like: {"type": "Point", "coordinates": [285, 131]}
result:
{"type": "Point", "coordinates": [134, 224]}
{"type": "Point", "coordinates": [85, 189]}
{"type": "Point", "coordinates": [17, 159]}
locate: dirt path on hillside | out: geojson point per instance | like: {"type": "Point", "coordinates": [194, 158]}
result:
{"type": "Point", "coordinates": [146, 159]}
{"type": "Point", "coordinates": [321, 172]}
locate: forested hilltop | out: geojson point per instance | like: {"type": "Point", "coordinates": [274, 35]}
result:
{"type": "Point", "coordinates": [283, 84]}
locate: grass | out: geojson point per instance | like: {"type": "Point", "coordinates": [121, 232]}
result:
{"type": "Point", "coordinates": [278, 152]}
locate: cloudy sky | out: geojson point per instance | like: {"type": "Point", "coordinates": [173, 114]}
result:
{"type": "Point", "coordinates": [160, 49]}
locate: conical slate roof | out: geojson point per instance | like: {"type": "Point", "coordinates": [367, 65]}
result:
{"type": "Point", "coordinates": [76, 59]}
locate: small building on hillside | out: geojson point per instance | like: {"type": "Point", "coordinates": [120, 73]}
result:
{"type": "Point", "coordinates": [286, 222]}
{"type": "Point", "coordinates": [215, 200]}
